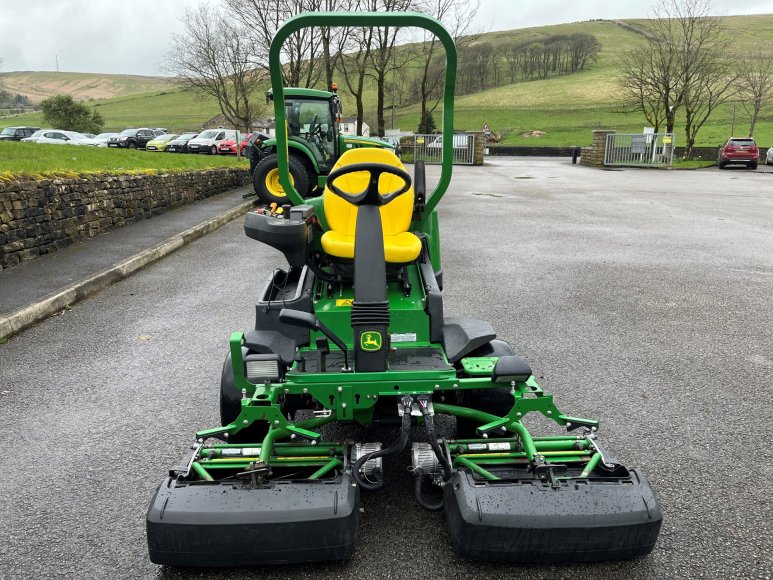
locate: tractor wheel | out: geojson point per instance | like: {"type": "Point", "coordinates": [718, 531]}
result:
{"type": "Point", "coordinates": [266, 180]}
{"type": "Point", "coordinates": [496, 401]}
{"type": "Point", "coordinates": [230, 406]}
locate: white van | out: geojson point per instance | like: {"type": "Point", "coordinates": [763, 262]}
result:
{"type": "Point", "coordinates": [208, 140]}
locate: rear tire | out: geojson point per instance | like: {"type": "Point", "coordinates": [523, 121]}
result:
{"type": "Point", "coordinates": [720, 165]}
{"type": "Point", "coordinates": [265, 180]}
{"type": "Point", "coordinates": [230, 407]}
{"type": "Point", "coordinates": [496, 401]}
{"type": "Point", "coordinates": [753, 165]}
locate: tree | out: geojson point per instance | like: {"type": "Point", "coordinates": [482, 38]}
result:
{"type": "Point", "coordinates": [680, 64]}
{"type": "Point", "coordinates": [354, 67]}
{"type": "Point", "coordinates": [381, 53]}
{"type": "Point", "coordinates": [427, 123]}
{"type": "Point", "coordinates": [214, 57]}
{"type": "Point", "coordinates": [62, 112]}
{"type": "Point", "coordinates": [755, 85]}
{"type": "Point", "coordinates": [260, 19]}
{"type": "Point", "coordinates": [456, 15]}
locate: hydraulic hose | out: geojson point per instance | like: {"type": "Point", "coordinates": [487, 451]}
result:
{"type": "Point", "coordinates": [430, 425]}
{"type": "Point", "coordinates": [433, 507]}
{"type": "Point", "coordinates": [395, 449]}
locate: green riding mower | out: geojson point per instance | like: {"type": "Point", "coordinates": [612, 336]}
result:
{"type": "Point", "coordinates": [354, 332]}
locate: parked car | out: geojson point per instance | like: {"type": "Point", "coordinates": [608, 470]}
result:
{"type": "Point", "coordinates": [769, 157]}
{"type": "Point", "coordinates": [460, 142]}
{"type": "Point", "coordinates": [57, 137]}
{"type": "Point", "coordinates": [132, 138]}
{"type": "Point", "coordinates": [103, 137]}
{"type": "Point", "coordinates": [228, 147]}
{"type": "Point", "coordinates": [180, 144]}
{"type": "Point", "coordinates": [17, 133]}
{"type": "Point", "coordinates": [160, 143]}
{"type": "Point", "coordinates": [394, 143]}
{"type": "Point", "coordinates": [742, 150]}
{"type": "Point", "coordinates": [208, 140]}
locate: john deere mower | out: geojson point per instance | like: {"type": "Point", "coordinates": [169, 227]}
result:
{"type": "Point", "coordinates": [354, 331]}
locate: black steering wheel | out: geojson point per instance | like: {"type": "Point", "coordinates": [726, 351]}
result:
{"type": "Point", "coordinates": [370, 195]}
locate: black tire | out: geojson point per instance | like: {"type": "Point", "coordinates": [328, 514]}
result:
{"type": "Point", "coordinates": [230, 406]}
{"type": "Point", "coordinates": [268, 190]}
{"type": "Point", "coordinates": [753, 165]}
{"type": "Point", "coordinates": [213, 150]}
{"type": "Point", "coordinates": [721, 165]}
{"type": "Point", "coordinates": [132, 145]}
{"type": "Point", "coordinates": [496, 401]}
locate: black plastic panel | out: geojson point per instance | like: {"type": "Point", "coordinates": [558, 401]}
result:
{"type": "Point", "coordinates": [223, 524]}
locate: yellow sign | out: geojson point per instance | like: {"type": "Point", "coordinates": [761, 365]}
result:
{"type": "Point", "coordinates": [666, 140]}
{"type": "Point", "coordinates": [344, 301]}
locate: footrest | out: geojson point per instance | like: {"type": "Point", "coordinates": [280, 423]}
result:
{"type": "Point", "coordinates": [233, 524]}
{"type": "Point", "coordinates": [529, 521]}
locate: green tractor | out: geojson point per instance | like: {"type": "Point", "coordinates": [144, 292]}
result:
{"type": "Point", "coordinates": [354, 332]}
{"type": "Point", "coordinates": [315, 144]}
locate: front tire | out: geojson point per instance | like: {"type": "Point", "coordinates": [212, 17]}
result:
{"type": "Point", "coordinates": [132, 145]}
{"type": "Point", "coordinates": [213, 150]}
{"type": "Point", "coordinates": [265, 179]}
{"type": "Point", "coordinates": [230, 407]}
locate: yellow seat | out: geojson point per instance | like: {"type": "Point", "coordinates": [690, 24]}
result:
{"type": "Point", "coordinates": [400, 245]}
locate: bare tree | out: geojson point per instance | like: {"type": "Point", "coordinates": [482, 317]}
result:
{"type": "Point", "coordinates": [354, 67]}
{"type": "Point", "coordinates": [679, 61]}
{"type": "Point", "coordinates": [381, 53]}
{"type": "Point", "coordinates": [262, 18]}
{"type": "Point", "coordinates": [212, 58]}
{"type": "Point", "coordinates": [755, 85]}
{"type": "Point", "coordinates": [457, 16]}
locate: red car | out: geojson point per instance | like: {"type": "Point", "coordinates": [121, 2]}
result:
{"type": "Point", "coordinates": [742, 150]}
{"type": "Point", "coordinates": [228, 147]}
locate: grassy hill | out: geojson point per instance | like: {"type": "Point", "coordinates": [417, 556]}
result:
{"type": "Point", "coordinates": [82, 86]}
{"type": "Point", "coordinates": [566, 108]}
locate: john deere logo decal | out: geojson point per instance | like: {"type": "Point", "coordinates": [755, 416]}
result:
{"type": "Point", "coordinates": [370, 341]}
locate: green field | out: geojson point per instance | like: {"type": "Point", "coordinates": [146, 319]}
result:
{"type": "Point", "coordinates": [82, 86]}
{"type": "Point", "coordinates": [566, 108]}
{"type": "Point", "coordinates": [34, 160]}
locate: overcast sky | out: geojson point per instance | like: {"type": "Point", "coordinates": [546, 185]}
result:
{"type": "Point", "coordinates": [131, 36]}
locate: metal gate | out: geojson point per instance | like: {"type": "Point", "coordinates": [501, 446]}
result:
{"type": "Point", "coordinates": [429, 148]}
{"type": "Point", "coordinates": [651, 149]}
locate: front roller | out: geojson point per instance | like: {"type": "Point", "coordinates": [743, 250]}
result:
{"type": "Point", "coordinates": [239, 523]}
{"type": "Point", "coordinates": [533, 520]}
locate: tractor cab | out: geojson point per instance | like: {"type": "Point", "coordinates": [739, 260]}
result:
{"type": "Point", "coordinates": [315, 144]}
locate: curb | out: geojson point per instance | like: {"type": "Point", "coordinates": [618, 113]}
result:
{"type": "Point", "coordinates": [18, 320]}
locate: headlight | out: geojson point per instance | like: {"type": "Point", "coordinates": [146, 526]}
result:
{"type": "Point", "coordinates": [123, 138]}
{"type": "Point", "coordinates": [262, 368]}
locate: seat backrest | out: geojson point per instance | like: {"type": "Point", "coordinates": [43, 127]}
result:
{"type": "Point", "coordinates": [341, 215]}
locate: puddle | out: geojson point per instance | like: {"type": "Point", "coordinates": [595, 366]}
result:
{"type": "Point", "coordinates": [523, 177]}
{"type": "Point", "coordinates": [480, 193]}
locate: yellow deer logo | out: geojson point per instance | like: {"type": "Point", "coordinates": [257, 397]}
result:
{"type": "Point", "coordinates": [370, 341]}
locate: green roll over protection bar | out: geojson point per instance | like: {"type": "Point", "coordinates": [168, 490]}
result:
{"type": "Point", "coordinates": [397, 19]}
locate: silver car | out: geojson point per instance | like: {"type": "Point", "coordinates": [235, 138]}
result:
{"type": "Point", "coordinates": [769, 157]}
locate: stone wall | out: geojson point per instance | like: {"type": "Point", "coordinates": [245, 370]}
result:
{"type": "Point", "coordinates": [41, 216]}
{"type": "Point", "coordinates": [594, 155]}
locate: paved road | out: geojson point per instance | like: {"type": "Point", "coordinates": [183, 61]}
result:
{"type": "Point", "coordinates": [642, 298]}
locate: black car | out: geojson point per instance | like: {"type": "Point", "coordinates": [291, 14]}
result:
{"type": "Point", "coordinates": [180, 144]}
{"type": "Point", "coordinates": [17, 133]}
{"type": "Point", "coordinates": [133, 138]}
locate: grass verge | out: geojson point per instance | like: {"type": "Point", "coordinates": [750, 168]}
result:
{"type": "Point", "coordinates": [32, 160]}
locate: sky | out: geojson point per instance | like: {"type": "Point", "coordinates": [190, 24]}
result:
{"type": "Point", "coordinates": [132, 36]}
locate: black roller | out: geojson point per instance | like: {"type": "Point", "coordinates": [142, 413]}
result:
{"type": "Point", "coordinates": [529, 521]}
{"type": "Point", "coordinates": [234, 524]}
